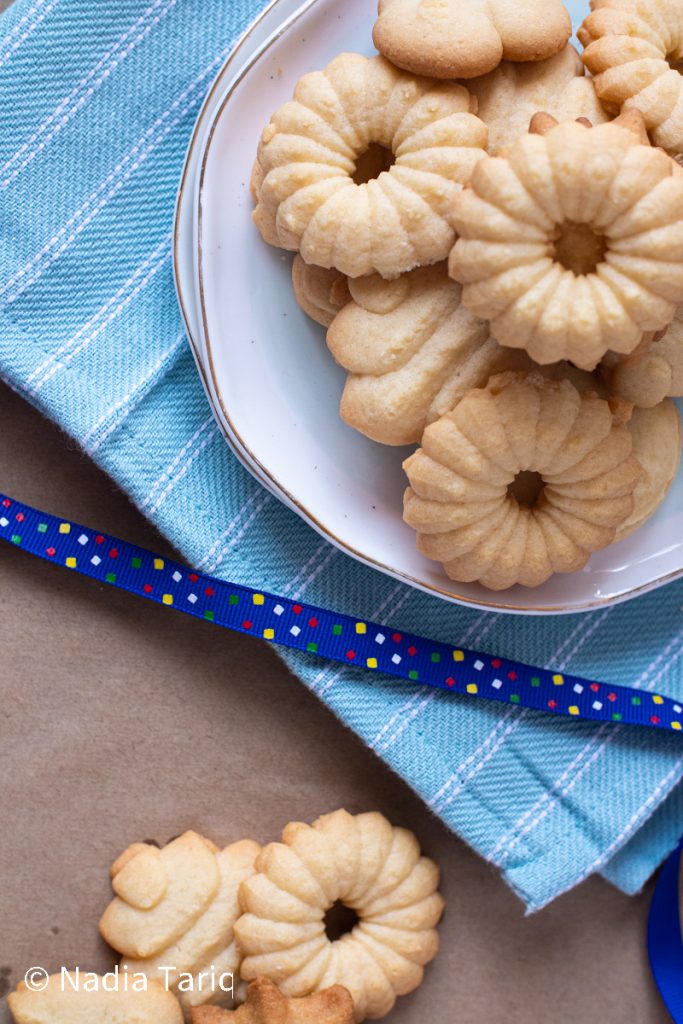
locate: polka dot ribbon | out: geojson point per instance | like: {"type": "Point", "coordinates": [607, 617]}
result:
{"type": "Point", "coordinates": [664, 940]}
{"type": "Point", "coordinates": [325, 633]}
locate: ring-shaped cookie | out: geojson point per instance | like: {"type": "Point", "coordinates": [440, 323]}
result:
{"type": "Point", "coordinates": [369, 866]}
{"type": "Point", "coordinates": [414, 140]}
{"type": "Point", "coordinates": [571, 244]}
{"type": "Point", "coordinates": [635, 52]}
{"type": "Point", "coordinates": [523, 479]}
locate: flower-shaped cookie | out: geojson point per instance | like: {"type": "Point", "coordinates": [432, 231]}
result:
{"type": "Point", "coordinates": [412, 350]}
{"type": "Point", "coordinates": [320, 293]}
{"type": "Point", "coordinates": [176, 907]}
{"type": "Point", "coordinates": [81, 1000]}
{"type": "Point", "coordinates": [359, 170]}
{"type": "Point", "coordinates": [465, 38]}
{"type": "Point", "coordinates": [572, 243]}
{"type": "Point", "coordinates": [368, 866]}
{"type": "Point", "coordinates": [657, 441]}
{"type": "Point", "coordinates": [266, 1005]}
{"type": "Point", "coordinates": [522, 480]}
{"type": "Point", "coordinates": [654, 371]}
{"type": "Point", "coordinates": [510, 96]}
{"type": "Point", "coordinates": [635, 50]}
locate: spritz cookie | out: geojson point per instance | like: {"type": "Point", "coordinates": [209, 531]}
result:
{"type": "Point", "coordinates": [523, 479]}
{"type": "Point", "coordinates": [267, 1005]}
{"type": "Point", "coordinates": [571, 244]}
{"type": "Point", "coordinates": [654, 371]}
{"type": "Point", "coordinates": [320, 293]}
{"type": "Point", "coordinates": [635, 50]}
{"type": "Point", "coordinates": [365, 864]}
{"type": "Point", "coordinates": [657, 441]}
{"type": "Point", "coordinates": [360, 169]}
{"type": "Point", "coordinates": [177, 907]}
{"type": "Point", "coordinates": [412, 350]}
{"type": "Point", "coordinates": [466, 38]}
{"type": "Point", "coordinates": [71, 1000]}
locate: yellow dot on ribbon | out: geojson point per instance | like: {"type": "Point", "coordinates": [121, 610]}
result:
{"type": "Point", "coordinates": [65, 527]}
{"type": "Point", "coordinates": [677, 726]}
{"type": "Point", "coordinates": [158, 563]}
{"type": "Point", "coordinates": [268, 634]}
{"type": "Point", "coordinates": [458, 656]}
{"type": "Point", "coordinates": [167, 599]}
{"type": "Point", "coordinates": [657, 700]}
{"type": "Point", "coordinates": [574, 710]}
{"type": "Point", "coordinates": [558, 680]}
{"type": "Point", "coordinates": [71, 563]}
{"type": "Point", "coordinates": [258, 599]}
{"type": "Point", "coordinates": [361, 628]}
{"type": "Point", "coordinates": [372, 662]}
{"type": "Point", "coordinates": [472, 688]}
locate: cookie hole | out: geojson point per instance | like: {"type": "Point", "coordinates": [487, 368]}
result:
{"type": "Point", "coordinates": [579, 249]}
{"type": "Point", "coordinates": [374, 161]}
{"type": "Point", "coordinates": [526, 488]}
{"type": "Point", "coordinates": [675, 60]}
{"type": "Point", "coordinates": [339, 920]}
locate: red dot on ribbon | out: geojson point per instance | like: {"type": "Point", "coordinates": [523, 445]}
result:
{"type": "Point", "coordinates": [297, 609]}
{"type": "Point", "coordinates": [193, 577]}
{"type": "Point", "coordinates": [450, 681]}
{"type": "Point", "coordinates": [6, 503]}
{"type": "Point", "coordinates": [20, 517]}
{"type": "Point", "coordinates": [350, 655]}
{"type": "Point", "coordinates": [99, 539]}
{"type": "Point", "coordinates": [552, 704]}
{"type": "Point", "coordinates": [412, 651]}
{"type": "Point", "coordinates": [512, 676]}
{"type": "Point", "coordinates": [113, 553]}
{"type": "Point", "coordinates": [397, 638]}
{"type": "Point", "coordinates": [209, 592]}
{"type": "Point", "coordinates": [51, 552]}
{"type": "Point", "coordinates": [313, 623]}
{"type": "Point", "coordinates": [612, 697]}
{"type": "Point", "coordinates": [247, 624]}
{"type": "Point", "coordinates": [655, 719]}
{"type": "Point", "coordinates": [496, 663]}
{"type": "Point", "coordinates": [147, 588]}
{"type": "Point", "coordinates": [595, 687]}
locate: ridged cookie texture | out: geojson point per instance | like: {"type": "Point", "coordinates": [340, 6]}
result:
{"type": "Point", "coordinates": [319, 292]}
{"type": "Point", "coordinates": [572, 243]}
{"type": "Point", "coordinates": [657, 443]}
{"type": "Point", "coordinates": [371, 867]}
{"type": "Point", "coordinates": [653, 372]}
{"type": "Point", "coordinates": [412, 350]}
{"type": "Point", "coordinates": [66, 1001]}
{"type": "Point", "coordinates": [306, 197]}
{"type": "Point", "coordinates": [509, 96]}
{"type": "Point", "coordinates": [265, 1004]}
{"type": "Point", "coordinates": [634, 48]}
{"type": "Point", "coordinates": [523, 479]}
{"type": "Point", "coordinates": [176, 907]}
{"type": "Point", "coordinates": [465, 38]}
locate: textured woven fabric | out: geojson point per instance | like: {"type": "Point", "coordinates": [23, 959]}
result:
{"type": "Point", "coordinates": [97, 102]}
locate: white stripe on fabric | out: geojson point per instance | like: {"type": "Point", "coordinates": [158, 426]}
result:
{"type": "Point", "coordinates": [312, 577]}
{"type": "Point", "coordinates": [61, 115]}
{"type": "Point", "coordinates": [92, 442]}
{"type": "Point", "coordinates": [545, 804]}
{"type": "Point", "coordinates": [234, 522]}
{"type": "Point", "coordinates": [426, 700]}
{"type": "Point", "coordinates": [305, 568]}
{"type": "Point", "coordinates": [10, 44]}
{"type": "Point", "coordinates": [60, 360]}
{"type": "Point", "coordinates": [441, 807]}
{"type": "Point", "coordinates": [575, 635]}
{"type": "Point", "coordinates": [112, 184]}
{"type": "Point", "coordinates": [167, 475]}
{"type": "Point", "coordinates": [637, 819]}
{"type": "Point", "coordinates": [183, 471]}
{"type": "Point", "coordinates": [266, 500]}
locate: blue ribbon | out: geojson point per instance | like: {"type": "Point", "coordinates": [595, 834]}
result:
{"type": "Point", "coordinates": [328, 634]}
{"type": "Point", "coordinates": [665, 943]}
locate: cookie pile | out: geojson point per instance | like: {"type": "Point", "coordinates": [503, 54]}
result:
{"type": "Point", "coordinates": [494, 242]}
{"type": "Point", "coordinates": [188, 916]}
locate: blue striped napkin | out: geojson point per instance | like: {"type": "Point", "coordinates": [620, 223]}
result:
{"type": "Point", "coordinates": [97, 102]}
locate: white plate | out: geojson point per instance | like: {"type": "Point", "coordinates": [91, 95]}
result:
{"type": "Point", "coordinates": [275, 388]}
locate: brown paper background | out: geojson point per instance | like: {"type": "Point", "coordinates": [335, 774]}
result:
{"type": "Point", "coordinates": [121, 720]}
